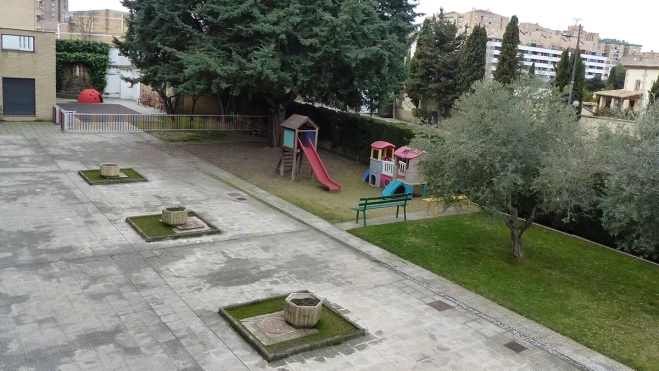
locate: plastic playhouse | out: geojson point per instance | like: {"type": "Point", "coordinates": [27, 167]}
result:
{"type": "Point", "coordinates": [397, 171]}
{"type": "Point", "coordinates": [300, 133]}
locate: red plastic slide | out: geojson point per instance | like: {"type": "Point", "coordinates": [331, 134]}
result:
{"type": "Point", "coordinates": [317, 166]}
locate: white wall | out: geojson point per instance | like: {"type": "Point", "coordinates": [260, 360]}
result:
{"type": "Point", "coordinates": [120, 66]}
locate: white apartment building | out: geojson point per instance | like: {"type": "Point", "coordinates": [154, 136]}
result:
{"type": "Point", "coordinates": [545, 60]}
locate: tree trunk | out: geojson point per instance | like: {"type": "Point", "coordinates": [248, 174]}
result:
{"type": "Point", "coordinates": [516, 230]}
{"type": "Point", "coordinates": [276, 115]}
{"type": "Point", "coordinates": [516, 248]}
{"type": "Point", "coordinates": [194, 103]}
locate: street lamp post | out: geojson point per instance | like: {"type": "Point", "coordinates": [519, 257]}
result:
{"type": "Point", "coordinates": [574, 66]}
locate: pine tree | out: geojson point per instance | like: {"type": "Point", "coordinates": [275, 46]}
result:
{"type": "Point", "coordinates": [472, 59]}
{"type": "Point", "coordinates": [532, 69]}
{"type": "Point", "coordinates": [653, 93]}
{"type": "Point", "coordinates": [617, 76]}
{"type": "Point", "coordinates": [353, 52]}
{"type": "Point", "coordinates": [422, 66]}
{"type": "Point", "coordinates": [563, 71]}
{"type": "Point", "coordinates": [579, 80]}
{"type": "Point", "coordinates": [506, 69]}
{"type": "Point", "coordinates": [433, 75]}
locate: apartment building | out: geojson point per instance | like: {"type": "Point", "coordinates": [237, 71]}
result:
{"type": "Point", "coordinates": [494, 24]}
{"type": "Point", "coordinates": [95, 25]}
{"type": "Point", "coordinates": [545, 60]}
{"type": "Point", "coordinates": [533, 35]}
{"type": "Point", "coordinates": [33, 14]}
{"type": "Point", "coordinates": [27, 58]}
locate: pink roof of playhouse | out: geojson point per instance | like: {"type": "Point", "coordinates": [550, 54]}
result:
{"type": "Point", "coordinates": [380, 144]}
{"type": "Point", "coordinates": [408, 153]}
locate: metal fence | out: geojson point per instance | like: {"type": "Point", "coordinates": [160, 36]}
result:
{"type": "Point", "coordinates": [88, 122]}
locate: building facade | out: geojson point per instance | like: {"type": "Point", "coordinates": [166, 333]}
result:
{"type": "Point", "coordinates": [95, 25]}
{"type": "Point", "coordinates": [27, 58]}
{"type": "Point", "coordinates": [545, 60]}
{"type": "Point", "coordinates": [533, 35]}
{"type": "Point", "coordinates": [27, 74]}
{"type": "Point", "coordinates": [33, 14]}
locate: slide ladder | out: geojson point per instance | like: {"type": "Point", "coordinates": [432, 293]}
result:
{"type": "Point", "coordinates": [317, 166]}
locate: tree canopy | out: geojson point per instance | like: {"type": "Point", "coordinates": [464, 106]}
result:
{"type": "Point", "coordinates": [507, 67]}
{"type": "Point", "coordinates": [653, 93]}
{"type": "Point", "coordinates": [532, 69]}
{"type": "Point", "coordinates": [434, 66]}
{"type": "Point", "coordinates": [595, 84]}
{"type": "Point", "coordinates": [156, 31]}
{"type": "Point", "coordinates": [579, 79]}
{"type": "Point", "coordinates": [616, 78]}
{"type": "Point", "coordinates": [471, 67]}
{"type": "Point", "coordinates": [563, 71]}
{"type": "Point", "coordinates": [339, 53]}
{"type": "Point", "coordinates": [630, 206]}
{"type": "Point", "coordinates": [517, 150]}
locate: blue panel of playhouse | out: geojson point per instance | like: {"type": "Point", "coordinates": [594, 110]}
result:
{"type": "Point", "coordinates": [397, 187]}
{"type": "Point", "coordinates": [309, 135]}
{"type": "Point", "coordinates": [289, 138]}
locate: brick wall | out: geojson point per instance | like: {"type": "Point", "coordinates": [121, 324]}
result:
{"type": "Point", "coordinates": [38, 65]}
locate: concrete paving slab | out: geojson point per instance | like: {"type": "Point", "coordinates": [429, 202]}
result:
{"type": "Point", "coordinates": [80, 290]}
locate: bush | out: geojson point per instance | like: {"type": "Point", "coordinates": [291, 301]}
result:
{"type": "Point", "coordinates": [425, 116]}
{"type": "Point", "coordinates": [350, 134]}
{"type": "Point", "coordinates": [94, 54]}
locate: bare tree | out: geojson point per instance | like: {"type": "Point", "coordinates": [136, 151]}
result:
{"type": "Point", "coordinates": [84, 22]}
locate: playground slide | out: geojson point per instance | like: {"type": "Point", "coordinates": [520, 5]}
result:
{"type": "Point", "coordinates": [394, 188]}
{"type": "Point", "coordinates": [318, 167]}
{"type": "Point", "coordinates": [367, 174]}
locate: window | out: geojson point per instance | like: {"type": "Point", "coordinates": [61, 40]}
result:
{"type": "Point", "coordinates": [16, 42]}
{"type": "Point", "coordinates": [637, 85]}
{"type": "Point", "coordinates": [40, 4]}
{"type": "Point", "coordinates": [38, 17]}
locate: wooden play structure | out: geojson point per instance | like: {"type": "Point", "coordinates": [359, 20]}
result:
{"type": "Point", "coordinates": [300, 136]}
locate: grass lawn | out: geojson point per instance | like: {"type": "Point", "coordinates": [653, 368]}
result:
{"type": "Point", "coordinates": [153, 227]}
{"type": "Point", "coordinates": [188, 136]}
{"type": "Point", "coordinates": [95, 175]}
{"type": "Point", "coordinates": [598, 297]}
{"type": "Point", "coordinates": [329, 325]}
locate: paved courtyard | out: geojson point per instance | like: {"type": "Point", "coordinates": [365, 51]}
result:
{"type": "Point", "coordinates": [80, 290]}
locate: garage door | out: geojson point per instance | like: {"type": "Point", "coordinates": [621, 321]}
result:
{"type": "Point", "coordinates": [18, 97]}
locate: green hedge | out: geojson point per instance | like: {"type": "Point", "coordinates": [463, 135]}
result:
{"type": "Point", "coordinates": [93, 54]}
{"type": "Point", "coordinates": [351, 135]}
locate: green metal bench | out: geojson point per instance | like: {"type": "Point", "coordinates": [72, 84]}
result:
{"type": "Point", "coordinates": [368, 203]}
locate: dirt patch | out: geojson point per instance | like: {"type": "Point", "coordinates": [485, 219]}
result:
{"type": "Point", "coordinates": [249, 158]}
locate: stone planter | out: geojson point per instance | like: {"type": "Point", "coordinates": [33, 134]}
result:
{"type": "Point", "coordinates": [173, 216]}
{"type": "Point", "coordinates": [302, 316]}
{"type": "Point", "coordinates": [110, 170]}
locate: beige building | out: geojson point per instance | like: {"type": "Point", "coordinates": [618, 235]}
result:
{"type": "Point", "coordinates": [32, 14]}
{"type": "Point", "coordinates": [639, 78]}
{"type": "Point", "coordinates": [536, 36]}
{"type": "Point", "coordinates": [495, 24]}
{"type": "Point", "coordinates": [95, 25]}
{"type": "Point", "coordinates": [27, 74]}
{"type": "Point", "coordinates": [27, 58]}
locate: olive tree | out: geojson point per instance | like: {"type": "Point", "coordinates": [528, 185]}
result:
{"type": "Point", "coordinates": [517, 150]}
{"type": "Point", "coordinates": [630, 206]}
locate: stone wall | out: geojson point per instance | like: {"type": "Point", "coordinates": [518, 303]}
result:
{"type": "Point", "coordinates": [592, 123]}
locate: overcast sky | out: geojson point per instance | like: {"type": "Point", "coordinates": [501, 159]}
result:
{"type": "Point", "coordinates": [611, 19]}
